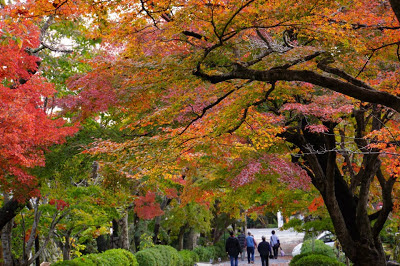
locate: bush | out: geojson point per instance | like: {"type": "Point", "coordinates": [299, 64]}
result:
{"type": "Point", "coordinates": [319, 248]}
{"type": "Point", "coordinates": [170, 255]}
{"type": "Point", "coordinates": [298, 257]}
{"type": "Point", "coordinates": [148, 257]}
{"type": "Point", "coordinates": [316, 259]}
{"type": "Point", "coordinates": [189, 258]}
{"type": "Point", "coordinates": [205, 253]}
{"type": "Point", "coordinates": [220, 250]}
{"type": "Point", "coordinates": [110, 257]}
{"type": "Point", "coordinates": [159, 255]}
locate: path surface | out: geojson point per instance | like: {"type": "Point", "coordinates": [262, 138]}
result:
{"type": "Point", "coordinates": [281, 261]}
{"type": "Point", "coordinates": [288, 238]}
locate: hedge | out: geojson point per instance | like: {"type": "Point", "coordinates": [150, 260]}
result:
{"type": "Point", "coordinates": [205, 253]}
{"type": "Point", "coordinates": [110, 257]}
{"type": "Point", "coordinates": [148, 257]}
{"type": "Point", "coordinates": [319, 248]}
{"type": "Point", "coordinates": [159, 255]}
{"type": "Point", "coordinates": [189, 257]}
{"type": "Point", "coordinates": [316, 259]}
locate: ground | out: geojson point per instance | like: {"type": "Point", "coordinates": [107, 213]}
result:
{"type": "Point", "coordinates": [288, 238]}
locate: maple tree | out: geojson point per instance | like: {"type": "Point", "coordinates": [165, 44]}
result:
{"type": "Point", "coordinates": [224, 84]}
{"type": "Point", "coordinates": [27, 129]}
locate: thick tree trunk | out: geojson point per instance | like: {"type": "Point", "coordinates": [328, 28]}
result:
{"type": "Point", "coordinates": [102, 243]}
{"type": "Point", "coordinates": [124, 232]}
{"type": "Point", "coordinates": [396, 8]}
{"type": "Point", "coordinates": [157, 226]}
{"type": "Point", "coordinates": [9, 210]}
{"type": "Point", "coordinates": [182, 231]}
{"type": "Point", "coordinates": [66, 247]}
{"type": "Point", "coordinates": [115, 234]}
{"type": "Point", "coordinates": [357, 235]}
{"type": "Point", "coordinates": [6, 244]}
{"type": "Point", "coordinates": [191, 239]}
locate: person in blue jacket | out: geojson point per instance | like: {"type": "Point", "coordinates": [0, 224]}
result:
{"type": "Point", "coordinates": [251, 245]}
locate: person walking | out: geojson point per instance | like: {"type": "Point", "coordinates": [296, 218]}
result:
{"type": "Point", "coordinates": [232, 246]}
{"type": "Point", "coordinates": [242, 241]}
{"type": "Point", "coordinates": [251, 245]}
{"type": "Point", "coordinates": [264, 249]}
{"type": "Point", "coordinates": [275, 244]}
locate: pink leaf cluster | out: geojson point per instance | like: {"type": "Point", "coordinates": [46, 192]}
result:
{"type": "Point", "coordinates": [327, 108]}
{"type": "Point", "coordinates": [247, 175]}
{"type": "Point", "coordinates": [290, 173]}
{"type": "Point", "coordinates": [317, 128]}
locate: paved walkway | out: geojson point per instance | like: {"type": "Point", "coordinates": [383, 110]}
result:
{"type": "Point", "coordinates": [281, 261]}
{"type": "Point", "coordinates": [288, 238]}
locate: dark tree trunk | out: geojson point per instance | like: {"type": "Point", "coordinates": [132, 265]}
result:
{"type": "Point", "coordinates": [115, 234]}
{"type": "Point", "coordinates": [37, 247]}
{"type": "Point", "coordinates": [396, 8]}
{"type": "Point", "coordinates": [136, 237]}
{"type": "Point", "coordinates": [157, 226]}
{"type": "Point", "coordinates": [357, 234]}
{"type": "Point", "coordinates": [165, 202]}
{"type": "Point", "coordinates": [181, 234]}
{"type": "Point", "coordinates": [66, 248]}
{"type": "Point", "coordinates": [102, 243]}
{"type": "Point", "coordinates": [9, 210]}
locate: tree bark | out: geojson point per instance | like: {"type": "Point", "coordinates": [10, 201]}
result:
{"type": "Point", "coordinates": [272, 75]}
{"type": "Point", "coordinates": [124, 232]}
{"type": "Point", "coordinates": [37, 248]}
{"type": "Point", "coordinates": [352, 224]}
{"type": "Point", "coordinates": [6, 244]}
{"type": "Point", "coordinates": [9, 210]}
{"type": "Point", "coordinates": [66, 249]}
{"type": "Point", "coordinates": [182, 231]}
{"type": "Point", "coordinates": [157, 225]}
{"type": "Point", "coordinates": [396, 8]}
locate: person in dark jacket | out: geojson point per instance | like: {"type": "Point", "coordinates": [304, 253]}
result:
{"type": "Point", "coordinates": [232, 246]}
{"type": "Point", "coordinates": [264, 249]}
{"type": "Point", "coordinates": [242, 241]}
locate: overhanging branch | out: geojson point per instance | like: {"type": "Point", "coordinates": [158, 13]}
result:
{"type": "Point", "coordinates": [272, 75]}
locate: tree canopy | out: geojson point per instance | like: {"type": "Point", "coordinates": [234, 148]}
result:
{"type": "Point", "coordinates": [224, 99]}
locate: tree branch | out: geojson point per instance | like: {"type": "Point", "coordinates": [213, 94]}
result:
{"type": "Point", "coordinates": [9, 210]}
{"type": "Point", "coordinates": [273, 75]}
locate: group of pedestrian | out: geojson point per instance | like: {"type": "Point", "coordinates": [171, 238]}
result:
{"type": "Point", "coordinates": [237, 245]}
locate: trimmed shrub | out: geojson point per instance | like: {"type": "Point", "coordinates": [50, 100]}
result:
{"type": "Point", "coordinates": [159, 255]}
{"type": "Point", "coordinates": [319, 248]}
{"type": "Point", "coordinates": [298, 257]}
{"type": "Point", "coordinates": [205, 253]}
{"type": "Point", "coordinates": [170, 255]}
{"type": "Point", "coordinates": [189, 258]}
{"type": "Point", "coordinates": [148, 257]}
{"type": "Point", "coordinates": [110, 257]}
{"type": "Point", "coordinates": [317, 259]}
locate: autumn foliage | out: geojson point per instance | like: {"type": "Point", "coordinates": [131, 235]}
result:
{"type": "Point", "coordinates": [219, 98]}
{"type": "Point", "coordinates": [26, 129]}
